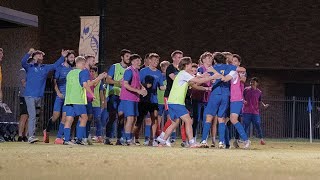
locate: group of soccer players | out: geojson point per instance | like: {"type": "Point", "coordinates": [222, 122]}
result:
{"type": "Point", "coordinates": [136, 96]}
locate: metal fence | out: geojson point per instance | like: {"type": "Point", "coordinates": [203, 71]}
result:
{"type": "Point", "coordinates": [287, 117]}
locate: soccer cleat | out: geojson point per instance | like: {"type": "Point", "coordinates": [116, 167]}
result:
{"type": "Point", "coordinates": [137, 143]}
{"type": "Point", "coordinates": [236, 144]}
{"type": "Point", "coordinates": [68, 143]}
{"type": "Point", "coordinates": [99, 139]}
{"type": "Point", "coordinates": [195, 145]}
{"type": "Point", "coordinates": [20, 139]}
{"type": "Point", "coordinates": [24, 139]}
{"type": "Point", "coordinates": [80, 142]}
{"type": "Point", "coordinates": [120, 143]}
{"type": "Point", "coordinates": [155, 143]}
{"type": "Point", "coordinates": [161, 141]}
{"type": "Point", "coordinates": [262, 142]}
{"type": "Point", "coordinates": [213, 145]}
{"type": "Point", "coordinates": [58, 141]}
{"type": "Point", "coordinates": [204, 144]}
{"type": "Point", "coordinates": [2, 140]}
{"type": "Point", "coordinates": [172, 141]}
{"type": "Point", "coordinates": [184, 144]}
{"type": "Point", "coordinates": [221, 145]}
{"type": "Point", "coordinates": [107, 142]}
{"type": "Point", "coordinates": [45, 136]}
{"type": "Point", "coordinates": [88, 141]}
{"type": "Point", "coordinates": [247, 144]}
{"type": "Point", "coordinates": [33, 139]}
{"type": "Point", "coordinates": [146, 143]}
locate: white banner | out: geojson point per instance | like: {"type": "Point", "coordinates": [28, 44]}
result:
{"type": "Point", "coordinates": [89, 36]}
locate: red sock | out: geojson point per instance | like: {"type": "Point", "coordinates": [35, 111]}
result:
{"type": "Point", "coordinates": [168, 123]}
{"type": "Point", "coordinates": [183, 132]}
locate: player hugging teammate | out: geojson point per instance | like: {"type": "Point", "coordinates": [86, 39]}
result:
{"type": "Point", "coordinates": [192, 96]}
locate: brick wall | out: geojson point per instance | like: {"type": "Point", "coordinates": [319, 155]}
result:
{"type": "Point", "coordinates": [266, 34]}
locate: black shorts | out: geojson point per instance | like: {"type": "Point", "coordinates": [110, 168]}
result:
{"type": "Point", "coordinates": [145, 107]}
{"type": "Point", "coordinates": [188, 103]}
{"type": "Point", "coordinates": [23, 106]}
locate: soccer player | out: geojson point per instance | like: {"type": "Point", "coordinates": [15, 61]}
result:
{"type": "Point", "coordinates": [162, 113]}
{"type": "Point", "coordinates": [60, 88]}
{"type": "Point", "coordinates": [23, 108]}
{"type": "Point", "coordinates": [97, 104]}
{"type": "Point", "coordinates": [171, 73]}
{"type": "Point", "coordinates": [77, 91]}
{"type": "Point", "coordinates": [251, 113]}
{"type": "Point", "coordinates": [200, 98]}
{"type": "Point", "coordinates": [90, 62]}
{"type": "Point", "coordinates": [36, 79]}
{"type": "Point", "coordinates": [130, 95]}
{"type": "Point", "coordinates": [115, 75]}
{"type": "Point", "coordinates": [218, 100]}
{"type": "Point", "coordinates": [236, 100]}
{"type": "Point", "coordinates": [151, 79]}
{"type": "Point", "coordinates": [176, 100]}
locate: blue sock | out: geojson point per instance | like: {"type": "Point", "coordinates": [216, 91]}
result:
{"type": "Point", "coordinates": [98, 126]}
{"type": "Point", "coordinates": [227, 137]}
{"type": "Point", "coordinates": [79, 132]}
{"type": "Point", "coordinates": [60, 131]}
{"type": "Point", "coordinates": [222, 130]}
{"type": "Point", "coordinates": [83, 131]}
{"type": "Point", "coordinates": [127, 136]}
{"type": "Point", "coordinates": [147, 132]}
{"type": "Point", "coordinates": [243, 135]}
{"type": "Point", "coordinates": [205, 131]}
{"type": "Point", "coordinates": [67, 134]}
{"type": "Point", "coordinates": [173, 135]}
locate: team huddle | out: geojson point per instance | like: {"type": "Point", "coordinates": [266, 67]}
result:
{"type": "Point", "coordinates": [208, 94]}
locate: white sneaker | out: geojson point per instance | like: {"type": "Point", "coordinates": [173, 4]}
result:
{"type": "Point", "coordinates": [247, 144]}
{"type": "Point", "coordinates": [221, 145]}
{"type": "Point", "coordinates": [146, 143]}
{"type": "Point", "coordinates": [33, 139]}
{"type": "Point", "coordinates": [155, 144]}
{"type": "Point", "coordinates": [69, 143]}
{"type": "Point", "coordinates": [204, 144]}
{"type": "Point", "coordinates": [236, 144]}
{"type": "Point", "coordinates": [162, 141]}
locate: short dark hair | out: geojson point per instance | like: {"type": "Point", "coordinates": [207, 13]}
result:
{"type": "Point", "coordinates": [124, 51]}
{"type": "Point", "coordinates": [89, 56]}
{"type": "Point", "coordinates": [70, 52]}
{"type": "Point", "coordinates": [37, 52]}
{"type": "Point", "coordinates": [176, 52]}
{"type": "Point", "coordinates": [133, 57]}
{"type": "Point", "coordinates": [194, 65]}
{"type": "Point", "coordinates": [219, 58]}
{"type": "Point", "coordinates": [95, 68]}
{"type": "Point", "coordinates": [255, 79]}
{"type": "Point", "coordinates": [238, 57]}
{"type": "Point", "coordinates": [152, 55]}
{"type": "Point", "coordinates": [184, 61]}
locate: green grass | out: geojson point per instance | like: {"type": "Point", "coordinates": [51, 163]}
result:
{"type": "Point", "coordinates": [276, 160]}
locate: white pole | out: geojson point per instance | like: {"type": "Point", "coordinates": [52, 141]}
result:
{"type": "Point", "coordinates": [310, 127]}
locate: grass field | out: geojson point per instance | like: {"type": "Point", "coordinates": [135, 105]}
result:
{"type": "Point", "coordinates": [276, 160]}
